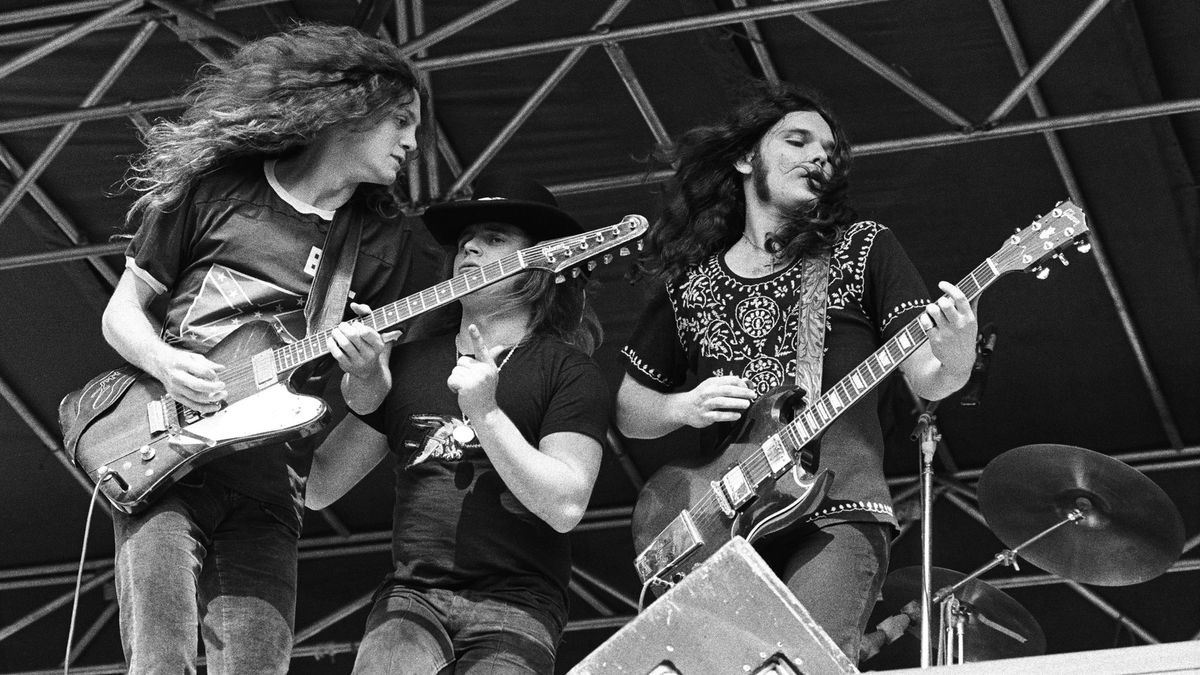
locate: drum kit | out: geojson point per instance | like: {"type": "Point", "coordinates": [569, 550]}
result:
{"type": "Point", "coordinates": [1073, 512]}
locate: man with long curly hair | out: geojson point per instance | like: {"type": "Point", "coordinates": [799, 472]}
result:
{"type": "Point", "coordinates": [236, 200]}
{"type": "Point", "coordinates": [753, 199]}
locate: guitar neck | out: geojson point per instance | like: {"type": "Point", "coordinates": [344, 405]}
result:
{"type": "Point", "coordinates": [289, 357]}
{"type": "Point", "coordinates": [783, 447]}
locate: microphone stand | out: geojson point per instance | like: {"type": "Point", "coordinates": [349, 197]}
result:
{"type": "Point", "coordinates": [927, 437]}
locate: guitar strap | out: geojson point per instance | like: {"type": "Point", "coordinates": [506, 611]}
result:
{"type": "Point", "coordinates": [331, 284]}
{"type": "Point", "coordinates": [812, 306]}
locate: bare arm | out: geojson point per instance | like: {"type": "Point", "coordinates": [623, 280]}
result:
{"type": "Point", "coordinates": [343, 459]}
{"type": "Point", "coordinates": [553, 480]}
{"type": "Point", "coordinates": [942, 366]}
{"type": "Point", "coordinates": [131, 330]}
{"type": "Point", "coordinates": [645, 413]}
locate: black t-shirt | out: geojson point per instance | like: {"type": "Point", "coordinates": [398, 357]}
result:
{"type": "Point", "coordinates": [234, 251]}
{"type": "Point", "coordinates": [716, 323]}
{"type": "Point", "coordinates": [456, 525]}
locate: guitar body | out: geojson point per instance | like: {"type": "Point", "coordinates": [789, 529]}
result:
{"type": "Point", "coordinates": [685, 487]}
{"type": "Point", "coordinates": [135, 460]}
{"type": "Point", "coordinates": [751, 486]}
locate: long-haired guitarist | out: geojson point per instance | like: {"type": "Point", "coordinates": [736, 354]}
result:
{"type": "Point", "coordinates": [235, 200]}
{"type": "Point", "coordinates": [496, 428]}
{"type": "Point", "coordinates": [753, 197]}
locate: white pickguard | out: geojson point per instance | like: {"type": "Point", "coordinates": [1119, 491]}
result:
{"type": "Point", "coordinates": [272, 409]}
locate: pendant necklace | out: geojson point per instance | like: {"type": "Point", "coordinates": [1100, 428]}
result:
{"type": "Point", "coordinates": [463, 433]}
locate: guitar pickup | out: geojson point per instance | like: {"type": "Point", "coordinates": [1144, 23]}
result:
{"type": "Point", "coordinates": [733, 491]}
{"type": "Point", "coordinates": [677, 541]}
{"type": "Point", "coordinates": [263, 364]}
{"type": "Point", "coordinates": [158, 416]}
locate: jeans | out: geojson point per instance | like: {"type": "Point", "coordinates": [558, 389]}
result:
{"type": "Point", "coordinates": [204, 554]}
{"type": "Point", "coordinates": [413, 632]}
{"type": "Point", "coordinates": [837, 573]}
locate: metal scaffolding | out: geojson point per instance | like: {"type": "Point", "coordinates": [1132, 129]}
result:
{"type": "Point", "coordinates": [614, 606]}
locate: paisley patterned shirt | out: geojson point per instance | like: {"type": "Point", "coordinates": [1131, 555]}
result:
{"type": "Point", "coordinates": [715, 323]}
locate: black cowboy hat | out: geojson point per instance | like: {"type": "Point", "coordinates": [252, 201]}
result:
{"type": "Point", "coordinates": [502, 198]}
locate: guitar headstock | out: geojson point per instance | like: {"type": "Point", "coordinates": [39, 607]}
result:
{"type": "Point", "coordinates": [1030, 248]}
{"type": "Point", "coordinates": [559, 255]}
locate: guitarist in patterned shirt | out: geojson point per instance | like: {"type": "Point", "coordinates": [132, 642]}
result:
{"type": "Point", "coordinates": [236, 199]}
{"type": "Point", "coordinates": [752, 197]}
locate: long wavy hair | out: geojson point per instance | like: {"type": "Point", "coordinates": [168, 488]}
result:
{"type": "Point", "coordinates": [270, 99]}
{"type": "Point", "coordinates": [704, 202]}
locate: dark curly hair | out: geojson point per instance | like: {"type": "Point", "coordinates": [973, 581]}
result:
{"type": "Point", "coordinates": [270, 99]}
{"type": "Point", "coordinates": [704, 203]}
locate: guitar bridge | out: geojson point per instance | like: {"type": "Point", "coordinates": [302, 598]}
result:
{"type": "Point", "coordinates": [677, 541]}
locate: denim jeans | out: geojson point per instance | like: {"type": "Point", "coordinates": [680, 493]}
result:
{"type": "Point", "coordinates": [204, 554]}
{"type": "Point", "coordinates": [837, 573]}
{"type": "Point", "coordinates": [413, 632]}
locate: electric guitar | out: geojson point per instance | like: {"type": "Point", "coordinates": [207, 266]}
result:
{"type": "Point", "coordinates": [688, 509]}
{"type": "Point", "coordinates": [135, 441]}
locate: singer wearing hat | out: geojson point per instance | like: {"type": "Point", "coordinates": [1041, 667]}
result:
{"type": "Point", "coordinates": [495, 429]}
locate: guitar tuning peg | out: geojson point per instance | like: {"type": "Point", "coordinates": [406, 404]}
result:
{"type": "Point", "coordinates": [1084, 246]}
{"type": "Point", "coordinates": [623, 251]}
{"type": "Point", "coordinates": [558, 278]}
{"type": "Point", "coordinates": [591, 265]}
{"type": "Point", "coordinates": [607, 259]}
{"type": "Point", "coordinates": [1043, 272]}
{"type": "Point", "coordinates": [1016, 230]}
{"type": "Point", "coordinates": [575, 272]}
{"type": "Point", "coordinates": [640, 246]}
{"type": "Point", "coordinates": [1062, 259]}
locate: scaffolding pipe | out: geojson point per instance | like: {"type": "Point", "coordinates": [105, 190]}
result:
{"type": "Point", "coordinates": [60, 140]}
{"type": "Point", "coordinates": [603, 34]}
{"type": "Point", "coordinates": [883, 70]}
{"type": "Point", "coordinates": [441, 33]}
{"type": "Point", "coordinates": [1107, 273]}
{"type": "Point", "coordinates": [633, 85]}
{"type": "Point", "coordinates": [59, 217]}
{"type": "Point", "coordinates": [91, 114]}
{"type": "Point", "coordinates": [184, 12]}
{"type": "Point", "coordinates": [758, 46]}
{"type": "Point", "coordinates": [64, 39]}
{"type": "Point", "coordinates": [1051, 56]}
{"type": "Point", "coordinates": [526, 110]}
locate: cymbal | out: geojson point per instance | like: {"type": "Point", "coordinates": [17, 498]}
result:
{"type": "Point", "coordinates": [997, 626]}
{"type": "Point", "coordinates": [1130, 531]}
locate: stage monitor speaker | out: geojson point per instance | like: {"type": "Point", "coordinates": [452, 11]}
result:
{"type": "Point", "coordinates": [730, 615]}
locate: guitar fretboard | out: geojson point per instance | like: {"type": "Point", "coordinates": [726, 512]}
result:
{"type": "Point", "coordinates": [289, 357]}
{"type": "Point", "coordinates": [780, 449]}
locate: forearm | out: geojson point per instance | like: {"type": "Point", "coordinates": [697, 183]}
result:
{"type": "Point", "coordinates": [644, 413]}
{"type": "Point", "coordinates": [365, 394]}
{"type": "Point", "coordinates": [933, 380]}
{"type": "Point", "coordinates": [346, 455]}
{"type": "Point", "coordinates": [128, 328]}
{"type": "Point", "coordinates": [552, 489]}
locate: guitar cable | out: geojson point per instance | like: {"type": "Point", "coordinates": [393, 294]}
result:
{"type": "Point", "coordinates": [87, 530]}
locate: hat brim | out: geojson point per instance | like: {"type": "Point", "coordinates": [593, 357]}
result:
{"type": "Point", "coordinates": [540, 221]}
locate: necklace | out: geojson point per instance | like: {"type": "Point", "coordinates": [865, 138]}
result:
{"type": "Point", "coordinates": [773, 256]}
{"type": "Point", "coordinates": [464, 433]}
{"type": "Point", "coordinates": [458, 353]}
